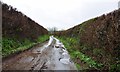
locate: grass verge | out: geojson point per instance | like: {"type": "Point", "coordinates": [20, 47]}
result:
{"type": "Point", "coordinates": [10, 45]}
{"type": "Point", "coordinates": [72, 46]}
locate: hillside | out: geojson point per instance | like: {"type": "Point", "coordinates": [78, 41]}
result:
{"type": "Point", "coordinates": [16, 24]}
{"type": "Point", "coordinates": [19, 32]}
{"type": "Point", "coordinates": [99, 38]}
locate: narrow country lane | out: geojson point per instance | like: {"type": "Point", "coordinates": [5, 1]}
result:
{"type": "Point", "coordinates": [51, 55]}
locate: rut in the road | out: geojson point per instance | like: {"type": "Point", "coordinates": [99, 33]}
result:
{"type": "Point", "coordinates": [51, 56]}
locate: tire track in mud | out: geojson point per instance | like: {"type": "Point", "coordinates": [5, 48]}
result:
{"type": "Point", "coordinates": [45, 57]}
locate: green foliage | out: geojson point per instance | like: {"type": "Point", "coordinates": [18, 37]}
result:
{"type": "Point", "coordinates": [71, 44]}
{"type": "Point", "coordinates": [10, 45]}
{"type": "Point", "coordinates": [78, 66]}
{"type": "Point", "coordinates": [43, 38]}
{"type": "Point", "coordinates": [86, 59]}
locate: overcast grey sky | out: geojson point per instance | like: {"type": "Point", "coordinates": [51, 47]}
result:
{"type": "Point", "coordinates": [63, 14]}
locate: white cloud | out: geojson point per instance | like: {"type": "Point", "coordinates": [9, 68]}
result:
{"type": "Point", "coordinates": [62, 14]}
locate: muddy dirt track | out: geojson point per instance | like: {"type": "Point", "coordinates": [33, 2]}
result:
{"type": "Point", "coordinates": [51, 55]}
